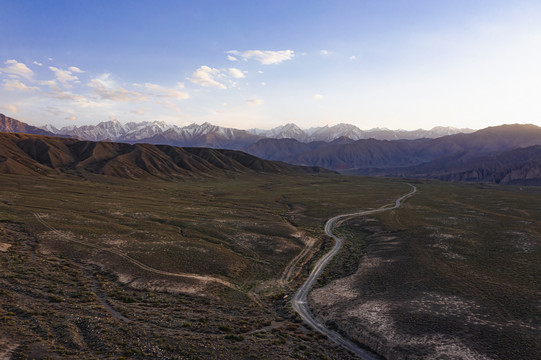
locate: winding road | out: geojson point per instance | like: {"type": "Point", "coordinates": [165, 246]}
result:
{"type": "Point", "coordinates": [299, 300]}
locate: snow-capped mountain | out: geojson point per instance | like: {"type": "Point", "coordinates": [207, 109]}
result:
{"type": "Point", "coordinates": [329, 134]}
{"type": "Point", "coordinates": [158, 132]}
{"type": "Point", "coordinates": [287, 131]}
{"type": "Point", "coordinates": [436, 132]}
{"type": "Point", "coordinates": [107, 130]}
{"type": "Point", "coordinates": [145, 129]}
{"type": "Point", "coordinates": [208, 135]}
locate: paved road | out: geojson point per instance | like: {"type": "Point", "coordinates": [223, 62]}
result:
{"type": "Point", "coordinates": [299, 299]}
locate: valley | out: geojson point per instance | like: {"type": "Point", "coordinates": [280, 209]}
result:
{"type": "Point", "coordinates": [76, 249]}
{"type": "Point", "coordinates": [268, 180]}
{"type": "Point", "coordinates": [203, 268]}
{"type": "Point", "coordinates": [193, 246]}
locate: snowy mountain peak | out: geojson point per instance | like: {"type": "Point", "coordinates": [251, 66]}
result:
{"type": "Point", "coordinates": [211, 135]}
{"type": "Point", "coordinates": [50, 128]}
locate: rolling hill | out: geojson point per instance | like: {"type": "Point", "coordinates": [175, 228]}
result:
{"type": "Point", "coordinates": [25, 154]}
{"type": "Point", "coordinates": [520, 166]}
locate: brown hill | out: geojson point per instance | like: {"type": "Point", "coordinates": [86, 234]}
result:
{"type": "Point", "coordinates": [520, 166]}
{"type": "Point", "coordinates": [44, 155]}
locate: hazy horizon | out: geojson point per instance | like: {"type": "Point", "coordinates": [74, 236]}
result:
{"type": "Point", "coordinates": [389, 64]}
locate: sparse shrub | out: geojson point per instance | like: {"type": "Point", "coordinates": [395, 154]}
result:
{"type": "Point", "coordinates": [235, 338]}
{"type": "Point", "coordinates": [224, 328]}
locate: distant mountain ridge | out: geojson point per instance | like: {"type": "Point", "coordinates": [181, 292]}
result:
{"type": "Point", "coordinates": [208, 135]}
{"type": "Point", "coordinates": [507, 154]}
{"type": "Point", "coordinates": [502, 154]}
{"type": "Point", "coordinates": [331, 133]}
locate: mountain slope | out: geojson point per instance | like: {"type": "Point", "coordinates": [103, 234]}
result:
{"type": "Point", "coordinates": [8, 124]}
{"type": "Point", "coordinates": [281, 149]}
{"type": "Point", "coordinates": [519, 166]}
{"type": "Point", "coordinates": [42, 155]}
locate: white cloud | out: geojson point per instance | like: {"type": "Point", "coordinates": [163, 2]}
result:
{"type": "Point", "coordinates": [324, 52]}
{"type": "Point", "coordinates": [60, 94]}
{"type": "Point", "coordinates": [16, 68]}
{"type": "Point", "coordinates": [232, 58]}
{"type": "Point", "coordinates": [168, 105]}
{"type": "Point", "coordinates": [265, 57]}
{"type": "Point", "coordinates": [37, 63]}
{"type": "Point", "coordinates": [53, 110]}
{"type": "Point", "coordinates": [140, 111]}
{"type": "Point", "coordinates": [206, 76]}
{"type": "Point", "coordinates": [263, 84]}
{"type": "Point", "coordinates": [353, 57]}
{"type": "Point", "coordinates": [75, 69]}
{"type": "Point", "coordinates": [161, 91]}
{"type": "Point", "coordinates": [11, 108]}
{"type": "Point", "coordinates": [106, 89]}
{"type": "Point", "coordinates": [236, 73]}
{"type": "Point", "coordinates": [65, 77]}
{"type": "Point", "coordinates": [259, 72]}
{"type": "Point", "coordinates": [317, 97]}
{"type": "Point", "coordinates": [71, 118]}
{"type": "Point", "coordinates": [50, 83]}
{"type": "Point", "coordinates": [254, 102]}
{"type": "Point", "coordinates": [14, 84]}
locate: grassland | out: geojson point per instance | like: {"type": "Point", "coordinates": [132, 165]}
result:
{"type": "Point", "coordinates": [114, 268]}
{"type": "Point", "coordinates": [453, 274]}
{"type": "Point", "coordinates": [201, 269]}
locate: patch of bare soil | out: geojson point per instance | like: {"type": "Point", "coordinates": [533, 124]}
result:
{"type": "Point", "coordinates": [6, 347]}
{"type": "Point", "coordinates": [130, 271]}
{"type": "Point", "coordinates": [4, 247]}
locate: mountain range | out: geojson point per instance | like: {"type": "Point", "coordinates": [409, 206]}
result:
{"type": "Point", "coordinates": [208, 135]}
{"type": "Point", "coordinates": [503, 154]}
{"type": "Point", "coordinates": [507, 154]}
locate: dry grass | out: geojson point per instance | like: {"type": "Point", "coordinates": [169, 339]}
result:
{"type": "Point", "coordinates": [454, 273]}
{"type": "Point", "coordinates": [120, 268]}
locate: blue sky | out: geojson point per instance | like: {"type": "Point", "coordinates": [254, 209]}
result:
{"type": "Point", "coordinates": [395, 64]}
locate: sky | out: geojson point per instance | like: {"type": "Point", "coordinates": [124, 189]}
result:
{"type": "Point", "coordinates": [401, 64]}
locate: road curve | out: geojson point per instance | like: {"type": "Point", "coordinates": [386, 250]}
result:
{"type": "Point", "coordinates": [299, 300]}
